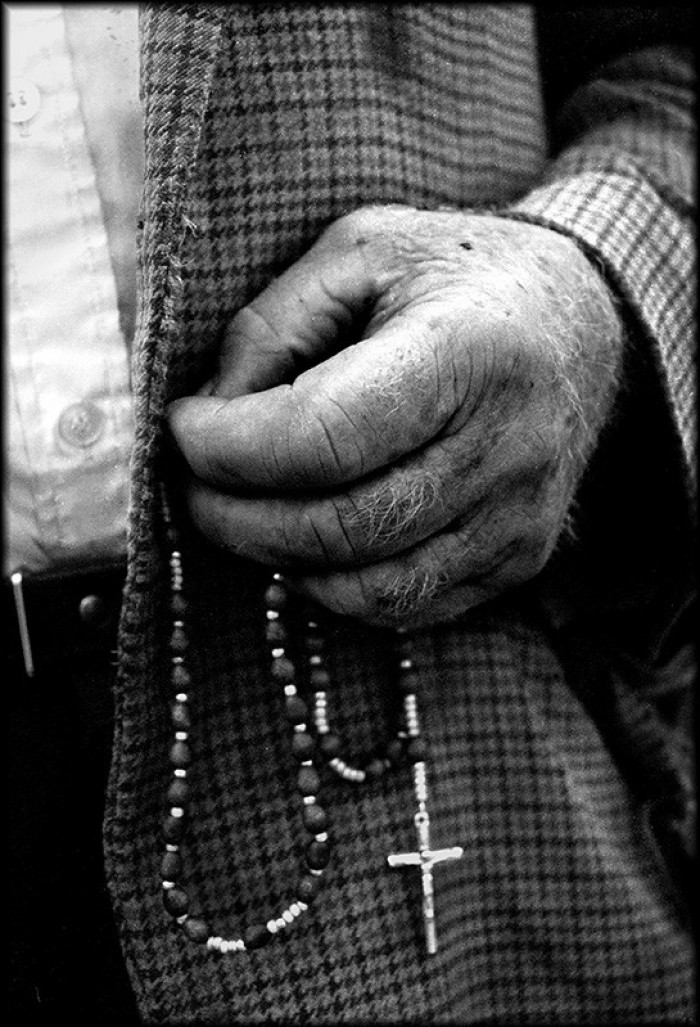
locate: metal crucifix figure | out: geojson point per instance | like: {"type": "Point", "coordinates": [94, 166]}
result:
{"type": "Point", "coordinates": [426, 858]}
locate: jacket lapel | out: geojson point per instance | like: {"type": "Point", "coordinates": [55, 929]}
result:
{"type": "Point", "coordinates": [179, 46]}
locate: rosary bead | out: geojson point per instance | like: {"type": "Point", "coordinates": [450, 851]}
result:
{"type": "Point", "coordinates": [275, 632]}
{"type": "Point", "coordinates": [314, 818]}
{"type": "Point", "coordinates": [178, 604]}
{"type": "Point", "coordinates": [283, 669]}
{"type": "Point", "coordinates": [256, 936]}
{"type": "Point", "coordinates": [176, 901]}
{"type": "Point", "coordinates": [375, 768]}
{"type": "Point", "coordinates": [180, 755]}
{"type": "Point", "coordinates": [303, 745]}
{"type": "Point", "coordinates": [416, 750]}
{"type": "Point", "coordinates": [195, 929]}
{"type": "Point", "coordinates": [297, 710]}
{"type": "Point", "coordinates": [308, 781]}
{"type": "Point", "coordinates": [408, 682]}
{"type": "Point", "coordinates": [318, 855]}
{"type": "Point", "coordinates": [329, 744]}
{"type": "Point", "coordinates": [314, 644]}
{"type": "Point", "coordinates": [319, 679]}
{"type": "Point", "coordinates": [180, 677]}
{"type": "Point", "coordinates": [308, 888]}
{"type": "Point", "coordinates": [275, 597]}
{"type": "Point", "coordinates": [178, 640]}
{"type": "Point", "coordinates": [180, 716]}
{"type": "Point", "coordinates": [178, 792]}
{"type": "Point", "coordinates": [173, 829]}
{"type": "Point", "coordinates": [171, 866]}
{"type": "Point", "coordinates": [395, 750]}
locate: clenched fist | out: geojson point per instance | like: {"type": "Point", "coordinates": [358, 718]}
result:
{"type": "Point", "coordinates": [400, 420]}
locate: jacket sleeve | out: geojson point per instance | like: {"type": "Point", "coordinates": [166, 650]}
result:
{"type": "Point", "coordinates": [620, 178]}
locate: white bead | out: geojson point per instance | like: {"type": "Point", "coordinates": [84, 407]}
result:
{"type": "Point", "coordinates": [181, 736]}
{"type": "Point", "coordinates": [277, 652]}
{"type": "Point", "coordinates": [322, 837]}
{"type": "Point", "coordinates": [315, 661]}
{"type": "Point", "coordinates": [295, 909]}
{"type": "Point", "coordinates": [172, 848]}
{"type": "Point", "coordinates": [167, 885]}
{"type": "Point", "coordinates": [287, 916]}
{"type": "Point", "coordinates": [290, 690]}
{"type": "Point", "coordinates": [182, 697]}
{"type": "Point", "coordinates": [281, 923]}
{"type": "Point", "coordinates": [180, 772]}
{"type": "Point", "coordinates": [302, 905]}
{"type": "Point", "coordinates": [272, 926]}
{"type": "Point", "coordinates": [177, 812]}
{"type": "Point", "coordinates": [272, 615]}
{"type": "Point", "coordinates": [309, 800]}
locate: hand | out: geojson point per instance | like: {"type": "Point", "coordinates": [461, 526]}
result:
{"type": "Point", "coordinates": [400, 420]}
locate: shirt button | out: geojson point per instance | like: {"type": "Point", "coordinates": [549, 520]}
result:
{"type": "Point", "coordinates": [23, 100]}
{"type": "Point", "coordinates": [81, 424]}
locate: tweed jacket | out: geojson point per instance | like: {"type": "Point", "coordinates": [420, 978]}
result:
{"type": "Point", "coordinates": [555, 756]}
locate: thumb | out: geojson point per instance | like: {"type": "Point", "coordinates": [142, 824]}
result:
{"type": "Point", "coordinates": [302, 317]}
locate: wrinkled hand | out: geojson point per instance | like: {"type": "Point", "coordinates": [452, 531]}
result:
{"type": "Point", "coordinates": [401, 418]}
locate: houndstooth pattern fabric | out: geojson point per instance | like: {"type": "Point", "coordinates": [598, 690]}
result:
{"type": "Point", "coordinates": [264, 123]}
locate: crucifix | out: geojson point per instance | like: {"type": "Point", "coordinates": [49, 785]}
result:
{"type": "Point", "coordinates": [425, 858]}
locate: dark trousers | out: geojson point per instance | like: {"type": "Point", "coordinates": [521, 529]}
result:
{"type": "Point", "coordinates": [64, 955]}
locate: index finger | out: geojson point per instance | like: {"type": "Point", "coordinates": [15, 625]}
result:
{"type": "Point", "coordinates": [343, 418]}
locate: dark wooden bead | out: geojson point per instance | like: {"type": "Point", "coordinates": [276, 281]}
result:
{"type": "Point", "coordinates": [196, 929]}
{"type": "Point", "coordinates": [275, 597]}
{"type": "Point", "coordinates": [329, 744]}
{"type": "Point", "coordinates": [314, 818]}
{"type": "Point", "coordinates": [176, 901]}
{"type": "Point", "coordinates": [181, 677]}
{"type": "Point", "coordinates": [178, 605]}
{"type": "Point", "coordinates": [318, 855]}
{"type": "Point", "coordinates": [416, 750]}
{"type": "Point", "coordinates": [395, 751]}
{"type": "Point", "coordinates": [173, 536]}
{"type": "Point", "coordinates": [408, 682]}
{"type": "Point", "coordinates": [178, 640]}
{"type": "Point", "coordinates": [178, 792]}
{"type": "Point", "coordinates": [256, 936]}
{"type": "Point", "coordinates": [180, 755]}
{"type": "Point", "coordinates": [308, 781]}
{"type": "Point", "coordinates": [314, 644]}
{"type": "Point", "coordinates": [171, 866]}
{"type": "Point", "coordinates": [276, 633]}
{"type": "Point", "coordinates": [283, 670]}
{"type": "Point", "coordinates": [296, 709]}
{"type": "Point", "coordinates": [180, 716]}
{"type": "Point", "coordinates": [319, 679]}
{"type": "Point", "coordinates": [375, 768]}
{"type": "Point", "coordinates": [303, 745]}
{"type": "Point", "coordinates": [308, 887]}
{"type": "Point", "coordinates": [173, 829]}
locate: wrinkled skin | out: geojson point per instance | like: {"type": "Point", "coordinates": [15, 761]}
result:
{"type": "Point", "coordinates": [400, 420]}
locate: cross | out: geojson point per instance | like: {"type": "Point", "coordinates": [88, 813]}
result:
{"type": "Point", "coordinates": [426, 858]}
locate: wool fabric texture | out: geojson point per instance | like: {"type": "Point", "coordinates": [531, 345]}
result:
{"type": "Point", "coordinates": [551, 757]}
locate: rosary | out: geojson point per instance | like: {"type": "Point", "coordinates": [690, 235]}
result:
{"type": "Point", "coordinates": [407, 746]}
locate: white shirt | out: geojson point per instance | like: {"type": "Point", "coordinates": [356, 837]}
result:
{"type": "Point", "coordinates": [74, 168]}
